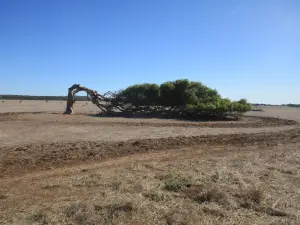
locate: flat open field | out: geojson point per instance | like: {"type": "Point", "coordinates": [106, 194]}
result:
{"type": "Point", "coordinates": [83, 169]}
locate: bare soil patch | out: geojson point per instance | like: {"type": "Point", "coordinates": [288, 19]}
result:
{"type": "Point", "coordinates": [40, 127]}
{"type": "Point", "coordinates": [37, 156]}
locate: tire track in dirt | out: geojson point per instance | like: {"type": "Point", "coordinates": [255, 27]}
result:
{"type": "Point", "coordinates": [37, 156]}
{"type": "Point", "coordinates": [245, 122]}
{"type": "Point", "coordinates": [33, 157]}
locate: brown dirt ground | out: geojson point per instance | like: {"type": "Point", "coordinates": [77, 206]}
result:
{"type": "Point", "coordinates": [81, 169]}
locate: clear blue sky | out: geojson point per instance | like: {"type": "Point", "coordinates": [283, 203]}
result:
{"type": "Point", "coordinates": [243, 48]}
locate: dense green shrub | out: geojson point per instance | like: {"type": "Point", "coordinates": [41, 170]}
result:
{"type": "Point", "coordinates": [141, 94]}
{"type": "Point", "coordinates": [176, 182]}
{"type": "Point", "coordinates": [180, 98]}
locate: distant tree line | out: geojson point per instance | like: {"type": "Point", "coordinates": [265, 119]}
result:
{"type": "Point", "coordinates": [293, 105]}
{"type": "Point", "coordinates": [262, 104]}
{"type": "Point", "coordinates": [180, 98]}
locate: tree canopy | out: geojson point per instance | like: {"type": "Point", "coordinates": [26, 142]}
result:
{"type": "Point", "coordinates": [181, 97]}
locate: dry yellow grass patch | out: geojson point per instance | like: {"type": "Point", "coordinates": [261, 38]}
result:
{"type": "Point", "coordinates": [242, 186]}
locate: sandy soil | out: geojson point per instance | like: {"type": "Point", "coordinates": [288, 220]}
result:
{"type": "Point", "coordinates": [32, 128]}
{"type": "Point", "coordinates": [278, 112]}
{"type": "Point", "coordinates": [48, 124]}
{"type": "Point", "coordinates": [82, 169]}
{"type": "Point", "coordinates": [43, 106]}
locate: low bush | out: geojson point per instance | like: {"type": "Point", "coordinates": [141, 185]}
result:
{"type": "Point", "coordinates": [175, 182]}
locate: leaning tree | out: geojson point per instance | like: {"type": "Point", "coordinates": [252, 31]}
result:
{"type": "Point", "coordinates": [180, 98]}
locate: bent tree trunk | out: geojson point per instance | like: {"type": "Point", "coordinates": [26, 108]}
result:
{"type": "Point", "coordinates": [107, 102]}
{"type": "Point", "coordinates": [75, 89]}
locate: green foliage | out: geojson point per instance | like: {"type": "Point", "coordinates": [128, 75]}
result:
{"type": "Point", "coordinates": [184, 97]}
{"type": "Point", "coordinates": [141, 94]}
{"type": "Point", "coordinates": [175, 182]}
{"type": "Point", "coordinates": [167, 90]}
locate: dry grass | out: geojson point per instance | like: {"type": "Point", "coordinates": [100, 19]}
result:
{"type": "Point", "coordinates": [197, 187]}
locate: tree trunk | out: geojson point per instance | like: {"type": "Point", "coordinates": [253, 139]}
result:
{"type": "Point", "coordinates": [75, 89]}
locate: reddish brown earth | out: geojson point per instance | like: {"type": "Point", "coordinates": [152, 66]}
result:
{"type": "Point", "coordinates": [82, 169]}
